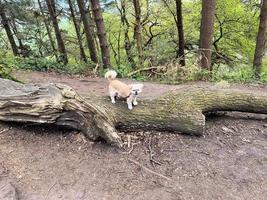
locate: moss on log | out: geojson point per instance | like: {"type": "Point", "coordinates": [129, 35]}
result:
{"type": "Point", "coordinates": [180, 110]}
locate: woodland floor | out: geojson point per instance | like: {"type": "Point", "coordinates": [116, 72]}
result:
{"type": "Point", "coordinates": [228, 162]}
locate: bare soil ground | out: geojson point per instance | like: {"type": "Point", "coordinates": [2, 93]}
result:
{"type": "Point", "coordinates": [47, 162]}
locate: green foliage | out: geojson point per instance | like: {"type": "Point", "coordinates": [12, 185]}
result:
{"type": "Point", "coordinates": [39, 64]}
{"type": "Point", "coordinates": [236, 26]}
{"type": "Point", "coordinates": [263, 75]}
{"type": "Point", "coordinates": [6, 64]}
{"type": "Point", "coordinates": [239, 26]}
{"type": "Point", "coordinates": [5, 72]}
{"type": "Point", "coordinates": [78, 67]}
{"type": "Point", "coordinates": [239, 73]}
{"type": "Point", "coordinates": [242, 73]}
{"type": "Point", "coordinates": [51, 64]}
{"type": "Point", "coordinates": [7, 58]}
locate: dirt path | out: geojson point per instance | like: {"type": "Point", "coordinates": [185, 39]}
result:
{"type": "Point", "coordinates": [228, 162]}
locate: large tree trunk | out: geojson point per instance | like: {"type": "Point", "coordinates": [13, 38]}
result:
{"type": "Point", "coordinates": [78, 33]}
{"type": "Point", "coordinates": [8, 30]}
{"type": "Point", "coordinates": [88, 31]}
{"type": "Point", "coordinates": [206, 33]}
{"type": "Point", "coordinates": [51, 40]}
{"type": "Point", "coordinates": [138, 31]}
{"type": "Point", "coordinates": [101, 32]}
{"type": "Point", "coordinates": [180, 110]}
{"type": "Point", "coordinates": [260, 45]}
{"type": "Point", "coordinates": [61, 46]}
{"type": "Point", "coordinates": [180, 29]}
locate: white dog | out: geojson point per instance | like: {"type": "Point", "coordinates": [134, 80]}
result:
{"type": "Point", "coordinates": [120, 89]}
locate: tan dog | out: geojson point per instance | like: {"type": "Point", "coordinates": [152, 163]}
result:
{"type": "Point", "coordinates": [120, 89]}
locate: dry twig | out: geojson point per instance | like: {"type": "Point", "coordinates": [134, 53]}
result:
{"type": "Point", "coordinates": [149, 170]}
{"type": "Point", "coordinates": [4, 130]}
{"type": "Point", "coordinates": [50, 190]}
{"type": "Point", "coordinates": [140, 70]}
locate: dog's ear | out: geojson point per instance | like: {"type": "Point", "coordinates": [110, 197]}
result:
{"type": "Point", "coordinates": [140, 86]}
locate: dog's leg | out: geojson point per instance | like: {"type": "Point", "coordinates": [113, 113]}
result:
{"type": "Point", "coordinates": [135, 101]}
{"type": "Point", "coordinates": [112, 99]}
{"type": "Point", "coordinates": [129, 103]}
{"type": "Point", "coordinates": [112, 96]}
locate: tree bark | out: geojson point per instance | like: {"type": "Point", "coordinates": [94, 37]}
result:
{"type": "Point", "coordinates": [8, 31]}
{"type": "Point", "coordinates": [206, 33]}
{"type": "Point", "coordinates": [181, 110]}
{"type": "Point", "coordinates": [78, 33]}
{"type": "Point", "coordinates": [88, 31]}
{"type": "Point", "coordinates": [260, 45]}
{"type": "Point", "coordinates": [138, 31]}
{"type": "Point", "coordinates": [180, 30]}
{"type": "Point", "coordinates": [101, 32]}
{"type": "Point", "coordinates": [47, 29]}
{"type": "Point", "coordinates": [61, 46]}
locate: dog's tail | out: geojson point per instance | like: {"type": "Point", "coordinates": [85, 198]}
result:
{"type": "Point", "coordinates": [110, 75]}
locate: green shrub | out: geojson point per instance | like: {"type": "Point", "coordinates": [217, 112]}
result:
{"type": "Point", "coordinates": [39, 64]}
{"type": "Point", "coordinates": [263, 75]}
{"type": "Point", "coordinates": [79, 67]}
{"type": "Point", "coordinates": [6, 65]}
{"type": "Point", "coordinates": [51, 64]}
{"type": "Point", "coordinates": [241, 73]}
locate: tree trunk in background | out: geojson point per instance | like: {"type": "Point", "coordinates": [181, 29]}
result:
{"type": "Point", "coordinates": [78, 33]}
{"type": "Point", "coordinates": [206, 33]}
{"type": "Point", "coordinates": [48, 29]}
{"type": "Point", "coordinates": [8, 31]}
{"type": "Point", "coordinates": [259, 50]}
{"type": "Point", "coordinates": [138, 31]}
{"type": "Point", "coordinates": [61, 46]}
{"type": "Point", "coordinates": [23, 50]}
{"type": "Point", "coordinates": [127, 42]}
{"type": "Point", "coordinates": [101, 32]}
{"type": "Point", "coordinates": [179, 24]}
{"type": "Point", "coordinates": [15, 30]}
{"type": "Point", "coordinates": [88, 31]}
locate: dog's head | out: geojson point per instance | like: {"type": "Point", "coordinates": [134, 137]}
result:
{"type": "Point", "coordinates": [136, 89]}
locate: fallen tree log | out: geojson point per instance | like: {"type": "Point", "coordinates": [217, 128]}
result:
{"type": "Point", "coordinates": [180, 110]}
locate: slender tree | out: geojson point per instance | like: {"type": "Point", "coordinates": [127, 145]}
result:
{"type": "Point", "coordinates": [179, 24]}
{"type": "Point", "coordinates": [88, 31]}
{"type": "Point", "coordinates": [15, 30]}
{"type": "Point", "coordinates": [47, 29]}
{"type": "Point", "coordinates": [138, 31]}
{"type": "Point", "coordinates": [53, 16]}
{"type": "Point", "coordinates": [260, 45]}
{"type": "Point", "coordinates": [8, 29]}
{"type": "Point", "coordinates": [206, 32]}
{"type": "Point", "coordinates": [23, 50]}
{"type": "Point", "coordinates": [125, 23]}
{"type": "Point", "coordinates": [78, 33]}
{"type": "Point", "coordinates": [101, 32]}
